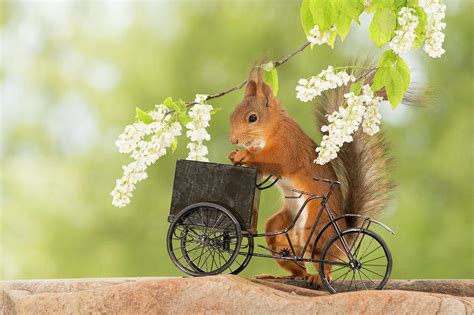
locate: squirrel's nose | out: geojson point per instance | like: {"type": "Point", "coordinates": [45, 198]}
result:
{"type": "Point", "coordinates": [234, 140]}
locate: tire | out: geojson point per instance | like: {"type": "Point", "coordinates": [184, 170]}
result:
{"type": "Point", "coordinates": [246, 251]}
{"type": "Point", "coordinates": [372, 258]}
{"type": "Point", "coordinates": [204, 239]}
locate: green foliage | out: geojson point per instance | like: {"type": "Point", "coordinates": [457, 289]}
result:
{"type": "Point", "coordinates": [393, 74]}
{"type": "Point", "coordinates": [383, 25]}
{"type": "Point", "coordinates": [168, 102]}
{"type": "Point", "coordinates": [174, 145]}
{"type": "Point", "coordinates": [356, 87]}
{"type": "Point", "coordinates": [270, 76]}
{"type": "Point", "coordinates": [143, 116]}
{"type": "Point", "coordinates": [420, 29]}
{"type": "Point", "coordinates": [329, 14]}
{"type": "Point", "coordinates": [387, 4]}
{"type": "Point", "coordinates": [306, 17]}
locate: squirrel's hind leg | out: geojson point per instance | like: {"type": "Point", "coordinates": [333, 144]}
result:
{"type": "Point", "coordinates": [278, 243]}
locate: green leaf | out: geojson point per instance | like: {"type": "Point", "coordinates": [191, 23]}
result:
{"type": "Point", "coordinates": [395, 5]}
{"type": "Point", "coordinates": [332, 38]}
{"type": "Point", "coordinates": [143, 116]}
{"type": "Point", "coordinates": [168, 102]}
{"type": "Point", "coordinates": [394, 87]}
{"type": "Point", "coordinates": [382, 26]}
{"type": "Point", "coordinates": [356, 87]}
{"type": "Point", "coordinates": [420, 29]}
{"type": "Point", "coordinates": [307, 21]}
{"type": "Point", "coordinates": [270, 76]}
{"type": "Point", "coordinates": [184, 118]}
{"type": "Point", "coordinates": [393, 74]}
{"type": "Point", "coordinates": [343, 26]}
{"type": "Point", "coordinates": [174, 144]}
{"type": "Point", "coordinates": [215, 110]}
{"type": "Point", "coordinates": [181, 104]}
{"type": "Point", "coordinates": [412, 3]}
{"type": "Point", "coordinates": [335, 13]}
{"type": "Point", "coordinates": [351, 9]}
{"type": "Point", "coordinates": [325, 13]}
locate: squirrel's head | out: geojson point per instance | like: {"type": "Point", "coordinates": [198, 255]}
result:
{"type": "Point", "coordinates": [256, 118]}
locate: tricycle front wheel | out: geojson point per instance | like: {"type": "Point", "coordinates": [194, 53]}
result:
{"type": "Point", "coordinates": [204, 239]}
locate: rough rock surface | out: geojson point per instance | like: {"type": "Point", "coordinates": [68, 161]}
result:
{"type": "Point", "coordinates": [218, 294]}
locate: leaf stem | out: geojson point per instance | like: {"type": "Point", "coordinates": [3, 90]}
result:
{"type": "Point", "coordinates": [351, 67]}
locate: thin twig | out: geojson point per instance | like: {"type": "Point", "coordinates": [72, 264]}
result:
{"type": "Point", "coordinates": [242, 84]}
{"type": "Point", "coordinates": [286, 58]}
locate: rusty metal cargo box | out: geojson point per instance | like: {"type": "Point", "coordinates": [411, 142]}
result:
{"type": "Point", "coordinates": [230, 186]}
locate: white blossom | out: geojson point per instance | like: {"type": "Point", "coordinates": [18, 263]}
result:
{"type": "Point", "coordinates": [197, 152]}
{"type": "Point", "coordinates": [315, 36]}
{"type": "Point", "coordinates": [405, 35]}
{"type": "Point", "coordinates": [371, 119]}
{"type": "Point", "coordinates": [197, 133]}
{"type": "Point", "coordinates": [146, 143]}
{"type": "Point", "coordinates": [308, 89]}
{"type": "Point", "coordinates": [435, 12]}
{"type": "Point", "coordinates": [362, 109]}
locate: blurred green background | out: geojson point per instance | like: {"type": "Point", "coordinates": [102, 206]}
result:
{"type": "Point", "coordinates": [72, 74]}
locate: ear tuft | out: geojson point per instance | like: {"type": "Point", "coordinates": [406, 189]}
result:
{"type": "Point", "coordinates": [256, 85]}
{"type": "Point", "coordinates": [251, 88]}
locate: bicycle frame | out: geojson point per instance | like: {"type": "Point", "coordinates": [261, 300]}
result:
{"type": "Point", "coordinates": [323, 206]}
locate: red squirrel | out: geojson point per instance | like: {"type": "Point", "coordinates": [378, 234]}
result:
{"type": "Point", "coordinates": [275, 144]}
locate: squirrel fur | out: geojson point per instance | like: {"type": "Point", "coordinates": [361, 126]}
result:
{"type": "Point", "coordinates": [275, 144]}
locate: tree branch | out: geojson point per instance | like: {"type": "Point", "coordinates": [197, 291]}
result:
{"type": "Point", "coordinates": [242, 84]}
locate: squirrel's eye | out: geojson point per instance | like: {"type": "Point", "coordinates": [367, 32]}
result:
{"type": "Point", "coordinates": [253, 118]}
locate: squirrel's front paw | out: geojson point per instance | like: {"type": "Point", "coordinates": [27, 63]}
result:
{"type": "Point", "coordinates": [238, 157]}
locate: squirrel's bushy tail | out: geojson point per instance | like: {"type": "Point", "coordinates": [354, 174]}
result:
{"type": "Point", "coordinates": [362, 166]}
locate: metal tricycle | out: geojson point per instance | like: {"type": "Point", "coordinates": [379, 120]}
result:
{"type": "Point", "coordinates": [213, 216]}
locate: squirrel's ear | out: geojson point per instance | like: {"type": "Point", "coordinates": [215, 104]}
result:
{"type": "Point", "coordinates": [266, 90]}
{"type": "Point", "coordinates": [251, 88]}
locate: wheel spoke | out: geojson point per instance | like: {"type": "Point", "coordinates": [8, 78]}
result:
{"type": "Point", "coordinates": [206, 258]}
{"type": "Point", "coordinates": [332, 271]}
{"type": "Point", "coordinates": [344, 279]}
{"type": "Point", "coordinates": [363, 283]}
{"type": "Point", "coordinates": [329, 254]}
{"type": "Point", "coordinates": [197, 240]}
{"type": "Point", "coordinates": [200, 256]}
{"type": "Point", "coordinates": [212, 261]}
{"type": "Point", "coordinates": [373, 250]}
{"type": "Point", "coordinates": [375, 285]}
{"type": "Point", "coordinates": [372, 259]}
{"type": "Point", "coordinates": [341, 275]}
{"type": "Point", "coordinates": [353, 277]}
{"type": "Point", "coordinates": [342, 251]}
{"type": "Point", "coordinates": [360, 243]}
{"type": "Point", "coordinates": [375, 273]}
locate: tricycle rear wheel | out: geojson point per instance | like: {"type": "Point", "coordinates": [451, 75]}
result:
{"type": "Point", "coordinates": [370, 269]}
{"type": "Point", "coordinates": [204, 239]}
{"type": "Point", "coordinates": [245, 254]}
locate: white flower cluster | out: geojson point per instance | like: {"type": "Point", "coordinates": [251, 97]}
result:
{"type": "Point", "coordinates": [362, 109]}
{"type": "Point", "coordinates": [405, 35]}
{"type": "Point", "coordinates": [197, 133]}
{"type": "Point", "coordinates": [308, 89]}
{"type": "Point", "coordinates": [146, 143]}
{"type": "Point", "coordinates": [435, 12]}
{"type": "Point", "coordinates": [316, 37]}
